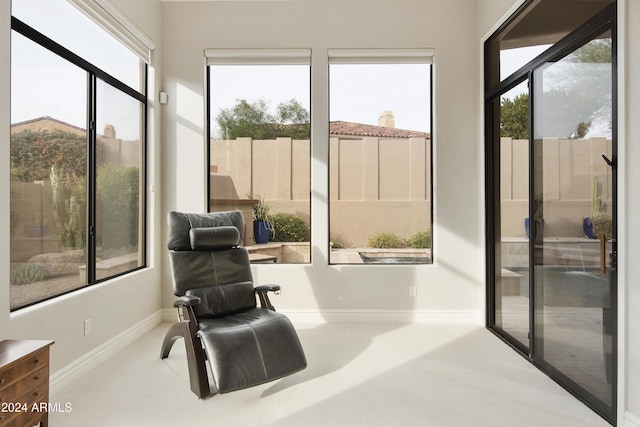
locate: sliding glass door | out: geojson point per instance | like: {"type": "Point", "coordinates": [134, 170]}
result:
{"type": "Point", "coordinates": [574, 179]}
{"type": "Point", "coordinates": [552, 203]}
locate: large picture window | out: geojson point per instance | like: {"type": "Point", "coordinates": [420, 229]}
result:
{"type": "Point", "coordinates": [77, 153]}
{"type": "Point", "coordinates": [259, 147]}
{"type": "Point", "coordinates": [380, 156]}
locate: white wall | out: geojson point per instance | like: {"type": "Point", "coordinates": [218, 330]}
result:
{"type": "Point", "coordinates": [455, 283]}
{"type": "Point", "coordinates": [113, 306]}
{"type": "Point", "coordinates": [493, 12]}
{"type": "Point", "coordinates": [630, 246]}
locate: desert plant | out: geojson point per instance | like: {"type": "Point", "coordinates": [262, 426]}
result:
{"type": "Point", "coordinates": [598, 222]}
{"type": "Point", "coordinates": [596, 202]}
{"type": "Point", "coordinates": [26, 273]}
{"type": "Point", "coordinates": [601, 223]}
{"type": "Point", "coordinates": [420, 240]}
{"type": "Point", "coordinates": [289, 228]}
{"type": "Point", "coordinates": [69, 204]}
{"type": "Point", "coordinates": [118, 204]}
{"type": "Point", "coordinates": [262, 213]}
{"type": "Point", "coordinates": [262, 210]}
{"type": "Point", "coordinates": [385, 240]}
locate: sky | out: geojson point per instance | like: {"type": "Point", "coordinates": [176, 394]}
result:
{"type": "Point", "coordinates": [513, 59]}
{"type": "Point", "coordinates": [44, 85]}
{"type": "Point", "coordinates": [358, 93]}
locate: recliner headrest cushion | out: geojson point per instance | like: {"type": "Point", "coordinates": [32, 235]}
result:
{"type": "Point", "coordinates": [212, 238]}
{"type": "Point", "coordinates": [180, 224]}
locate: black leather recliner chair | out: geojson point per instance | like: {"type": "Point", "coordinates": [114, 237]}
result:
{"type": "Point", "coordinates": [218, 317]}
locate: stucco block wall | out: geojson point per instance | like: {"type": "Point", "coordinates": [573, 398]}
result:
{"type": "Point", "coordinates": [387, 181]}
{"type": "Point", "coordinates": [570, 167]}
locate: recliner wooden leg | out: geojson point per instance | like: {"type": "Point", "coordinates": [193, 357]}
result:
{"type": "Point", "coordinates": [175, 331]}
{"type": "Point", "coordinates": [196, 362]}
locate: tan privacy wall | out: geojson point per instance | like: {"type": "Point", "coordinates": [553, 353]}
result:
{"type": "Point", "coordinates": [376, 184]}
{"type": "Point", "coordinates": [570, 166]}
{"type": "Point", "coordinates": [379, 184]}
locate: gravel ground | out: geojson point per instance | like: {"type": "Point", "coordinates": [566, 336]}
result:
{"type": "Point", "coordinates": [25, 294]}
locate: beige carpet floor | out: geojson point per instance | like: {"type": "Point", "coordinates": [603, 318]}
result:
{"type": "Point", "coordinates": [359, 374]}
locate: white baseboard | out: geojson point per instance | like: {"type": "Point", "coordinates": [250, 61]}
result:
{"type": "Point", "coordinates": [169, 315]}
{"type": "Point", "coordinates": [76, 369]}
{"type": "Point", "coordinates": [631, 420]}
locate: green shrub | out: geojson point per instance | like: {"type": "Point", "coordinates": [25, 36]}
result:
{"type": "Point", "coordinates": [26, 273]}
{"type": "Point", "coordinates": [384, 240]}
{"type": "Point", "coordinates": [336, 245]}
{"type": "Point", "coordinates": [289, 228]}
{"type": "Point", "coordinates": [420, 240]}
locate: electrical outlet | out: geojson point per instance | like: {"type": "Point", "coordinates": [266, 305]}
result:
{"type": "Point", "coordinates": [87, 326]}
{"type": "Point", "coordinates": [413, 291]}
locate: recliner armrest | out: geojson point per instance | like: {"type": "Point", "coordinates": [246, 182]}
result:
{"type": "Point", "coordinates": [264, 297]}
{"type": "Point", "coordinates": [186, 300]}
{"type": "Point", "coordinates": [267, 288]}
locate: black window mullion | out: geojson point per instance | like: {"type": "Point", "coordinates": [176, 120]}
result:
{"type": "Point", "coordinates": [143, 172]}
{"type": "Point", "coordinates": [208, 136]}
{"type": "Point", "coordinates": [91, 178]}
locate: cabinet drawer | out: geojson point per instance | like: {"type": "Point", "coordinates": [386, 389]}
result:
{"type": "Point", "coordinates": [25, 407]}
{"type": "Point", "coordinates": [19, 370]}
{"type": "Point", "coordinates": [36, 378]}
{"type": "Point", "coordinates": [22, 420]}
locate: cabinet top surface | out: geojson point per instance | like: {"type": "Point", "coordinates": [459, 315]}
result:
{"type": "Point", "coordinates": [12, 350]}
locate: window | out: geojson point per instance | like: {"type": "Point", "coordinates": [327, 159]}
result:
{"type": "Point", "coordinates": [259, 147]}
{"type": "Point", "coordinates": [77, 153]}
{"type": "Point", "coordinates": [380, 156]}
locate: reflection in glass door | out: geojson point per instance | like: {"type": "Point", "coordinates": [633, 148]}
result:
{"type": "Point", "coordinates": [575, 183]}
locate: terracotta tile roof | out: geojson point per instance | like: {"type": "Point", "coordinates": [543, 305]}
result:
{"type": "Point", "coordinates": [43, 121]}
{"type": "Point", "coordinates": [50, 119]}
{"type": "Point", "coordinates": [359, 129]}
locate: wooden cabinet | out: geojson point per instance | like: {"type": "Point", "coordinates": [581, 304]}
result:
{"type": "Point", "coordinates": [24, 383]}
